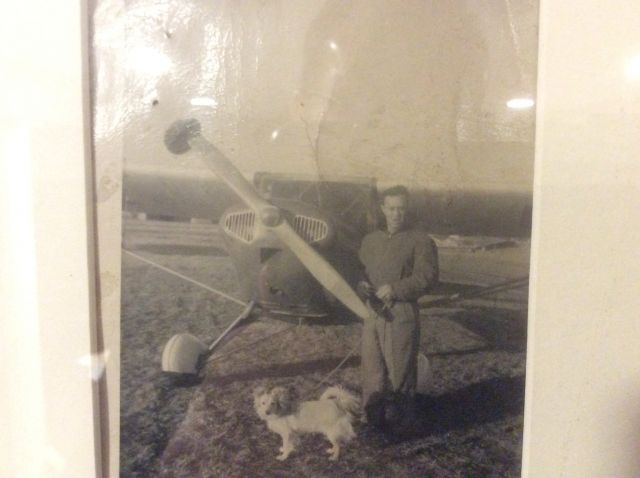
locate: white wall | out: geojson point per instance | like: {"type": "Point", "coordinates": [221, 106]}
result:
{"type": "Point", "coordinates": [48, 395]}
{"type": "Point", "coordinates": [583, 382]}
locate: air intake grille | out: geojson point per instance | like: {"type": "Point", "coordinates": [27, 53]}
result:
{"type": "Point", "coordinates": [240, 225]}
{"type": "Point", "coordinates": [310, 229]}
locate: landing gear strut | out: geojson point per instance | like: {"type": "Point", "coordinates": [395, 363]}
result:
{"type": "Point", "coordinates": [187, 354]}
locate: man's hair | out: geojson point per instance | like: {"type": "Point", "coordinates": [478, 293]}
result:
{"type": "Point", "coordinates": [395, 191]}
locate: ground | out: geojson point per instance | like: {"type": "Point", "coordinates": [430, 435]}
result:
{"type": "Point", "coordinates": [470, 424]}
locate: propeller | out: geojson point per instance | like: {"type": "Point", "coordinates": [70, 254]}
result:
{"type": "Point", "coordinates": [185, 135]}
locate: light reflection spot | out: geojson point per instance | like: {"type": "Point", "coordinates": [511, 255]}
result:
{"type": "Point", "coordinates": [203, 101]}
{"type": "Point", "coordinates": [520, 103]}
{"type": "Point", "coordinates": [632, 69]}
{"type": "Point", "coordinates": [148, 61]}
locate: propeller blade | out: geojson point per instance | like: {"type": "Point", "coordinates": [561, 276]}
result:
{"type": "Point", "coordinates": [184, 135]}
{"type": "Point", "coordinates": [320, 268]}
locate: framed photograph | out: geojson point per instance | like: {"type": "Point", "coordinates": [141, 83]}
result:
{"type": "Point", "coordinates": [61, 247]}
{"type": "Point", "coordinates": [256, 144]}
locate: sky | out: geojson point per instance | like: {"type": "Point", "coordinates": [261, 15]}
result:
{"type": "Point", "coordinates": [412, 92]}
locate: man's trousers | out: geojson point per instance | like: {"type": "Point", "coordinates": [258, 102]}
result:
{"type": "Point", "coordinates": [390, 341]}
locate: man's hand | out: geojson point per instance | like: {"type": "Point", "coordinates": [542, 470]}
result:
{"type": "Point", "coordinates": [385, 294]}
{"type": "Point", "coordinates": [364, 289]}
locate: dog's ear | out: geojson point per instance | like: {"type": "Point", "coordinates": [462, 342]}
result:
{"type": "Point", "coordinates": [258, 391]}
{"type": "Point", "coordinates": [331, 393]}
{"type": "Point", "coordinates": [283, 401]}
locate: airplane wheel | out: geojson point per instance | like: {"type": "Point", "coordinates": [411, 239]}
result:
{"type": "Point", "coordinates": [181, 354]}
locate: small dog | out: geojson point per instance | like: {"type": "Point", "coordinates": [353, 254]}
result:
{"type": "Point", "coordinates": [332, 415]}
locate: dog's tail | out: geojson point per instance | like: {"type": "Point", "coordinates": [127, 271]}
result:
{"type": "Point", "coordinates": [347, 401]}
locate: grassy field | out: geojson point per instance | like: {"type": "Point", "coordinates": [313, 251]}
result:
{"type": "Point", "coordinates": [470, 424]}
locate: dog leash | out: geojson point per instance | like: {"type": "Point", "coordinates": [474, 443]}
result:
{"type": "Point", "coordinates": [333, 371]}
{"type": "Point", "coordinates": [251, 344]}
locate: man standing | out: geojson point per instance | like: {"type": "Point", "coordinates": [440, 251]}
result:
{"type": "Point", "coordinates": [401, 264]}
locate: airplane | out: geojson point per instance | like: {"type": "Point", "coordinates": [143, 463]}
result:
{"type": "Point", "coordinates": [294, 240]}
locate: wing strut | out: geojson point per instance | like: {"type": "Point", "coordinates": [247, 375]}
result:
{"type": "Point", "coordinates": [183, 277]}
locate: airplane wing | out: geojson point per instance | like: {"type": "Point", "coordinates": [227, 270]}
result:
{"type": "Point", "coordinates": [167, 194]}
{"type": "Point", "coordinates": [481, 271]}
{"type": "Point", "coordinates": [489, 268]}
{"type": "Point", "coordinates": [178, 195]}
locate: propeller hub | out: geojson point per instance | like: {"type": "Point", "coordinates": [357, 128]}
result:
{"type": "Point", "coordinates": [270, 216]}
{"type": "Point", "coordinates": [177, 137]}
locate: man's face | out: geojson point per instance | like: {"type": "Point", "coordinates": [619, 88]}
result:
{"type": "Point", "coordinates": [394, 209]}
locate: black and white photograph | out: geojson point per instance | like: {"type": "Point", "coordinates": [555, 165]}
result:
{"type": "Point", "coordinates": [287, 238]}
{"type": "Point", "coordinates": [326, 234]}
